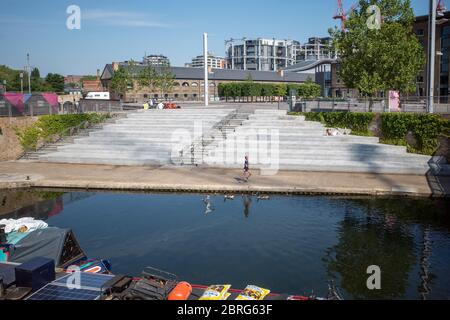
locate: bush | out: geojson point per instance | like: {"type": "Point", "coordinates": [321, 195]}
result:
{"type": "Point", "coordinates": [254, 89]}
{"type": "Point", "coordinates": [426, 129]}
{"type": "Point", "coordinates": [51, 125]}
{"type": "Point", "coordinates": [28, 137]}
{"type": "Point", "coordinates": [395, 127]}
{"type": "Point", "coordinates": [357, 122]}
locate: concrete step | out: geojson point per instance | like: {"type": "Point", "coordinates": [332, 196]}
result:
{"type": "Point", "coordinates": [283, 124]}
{"type": "Point", "coordinates": [139, 134]}
{"type": "Point", "coordinates": [168, 122]}
{"type": "Point", "coordinates": [112, 149]}
{"type": "Point", "coordinates": [316, 149]}
{"type": "Point", "coordinates": [156, 126]}
{"type": "Point", "coordinates": [305, 137]}
{"type": "Point", "coordinates": [138, 141]}
{"type": "Point", "coordinates": [341, 155]}
{"type": "Point", "coordinates": [344, 166]}
{"type": "Point", "coordinates": [177, 116]}
{"type": "Point", "coordinates": [125, 161]}
{"type": "Point", "coordinates": [270, 111]}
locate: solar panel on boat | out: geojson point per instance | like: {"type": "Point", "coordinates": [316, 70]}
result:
{"type": "Point", "coordinates": [87, 280]}
{"type": "Point", "coordinates": [90, 288]}
{"type": "Point", "coordinates": [57, 292]}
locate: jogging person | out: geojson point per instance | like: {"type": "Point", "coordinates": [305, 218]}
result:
{"type": "Point", "coordinates": [247, 173]}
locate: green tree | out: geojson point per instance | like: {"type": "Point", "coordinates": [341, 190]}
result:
{"type": "Point", "coordinates": [388, 58]}
{"type": "Point", "coordinates": [280, 90]}
{"type": "Point", "coordinates": [165, 80]}
{"type": "Point", "coordinates": [148, 78]}
{"type": "Point", "coordinates": [35, 74]}
{"type": "Point", "coordinates": [55, 81]}
{"type": "Point", "coordinates": [121, 81]}
{"type": "Point", "coordinates": [235, 90]}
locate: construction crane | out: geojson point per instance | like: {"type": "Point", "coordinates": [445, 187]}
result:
{"type": "Point", "coordinates": [441, 8]}
{"type": "Point", "coordinates": [342, 15]}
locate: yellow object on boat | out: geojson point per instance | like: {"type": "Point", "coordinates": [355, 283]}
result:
{"type": "Point", "coordinates": [253, 293]}
{"type": "Point", "coordinates": [216, 292]}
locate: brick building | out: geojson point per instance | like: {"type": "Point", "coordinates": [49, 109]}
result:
{"type": "Point", "coordinates": [189, 85]}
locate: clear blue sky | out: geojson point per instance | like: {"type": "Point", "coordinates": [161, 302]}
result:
{"type": "Point", "coordinates": [117, 30]}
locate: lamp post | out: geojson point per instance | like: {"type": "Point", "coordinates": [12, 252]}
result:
{"type": "Point", "coordinates": [205, 56]}
{"type": "Point", "coordinates": [29, 73]}
{"type": "Point", "coordinates": [439, 55]}
{"type": "Point", "coordinates": [4, 85]}
{"type": "Point", "coordinates": [21, 82]}
{"type": "Point", "coordinates": [431, 55]}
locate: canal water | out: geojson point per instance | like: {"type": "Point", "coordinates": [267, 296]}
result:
{"type": "Point", "coordinates": [287, 244]}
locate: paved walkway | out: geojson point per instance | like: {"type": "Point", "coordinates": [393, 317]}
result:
{"type": "Point", "coordinates": [50, 175]}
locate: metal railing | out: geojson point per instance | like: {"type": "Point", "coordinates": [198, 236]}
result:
{"type": "Point", "coordinates": [410, 105]}
{"type": "Point", "coordinates": [38, 107]}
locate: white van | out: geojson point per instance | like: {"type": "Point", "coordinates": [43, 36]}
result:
{"type": "Point", "coordinates": [98, 96]}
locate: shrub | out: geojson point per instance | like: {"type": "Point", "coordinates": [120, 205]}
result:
{"type": "Point", "coordinates": [28, 137]}
{"type": "Point", "coordinates": [356, 121]}
{"type": "Point", "coordinates": [254, 89]}
{"type": "Point", "coordinates": [51, 125]}
{"type": "Point", "coordinates": [395, 127]}
{"type": "Point", "coordinates": [426, 129]}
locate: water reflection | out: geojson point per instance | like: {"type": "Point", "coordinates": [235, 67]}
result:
{"type": "Point", "coordinates": [287, 244]}
{"type": "Point", "coordinates": [208, 206]}
{"type": "Point", "coordinates": [366, 242]}
{"type": "Point", "coordinates": [41, 205]}
{"type": "Point", "coordinates": [247, 201]}
{"type": "Point", "coordinates": [393, 235]}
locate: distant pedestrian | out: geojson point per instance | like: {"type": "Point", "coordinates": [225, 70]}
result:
{"type": "Point", "coordinates": [151, 103]}
{"type": "Point", "coordinates": [247, 173]}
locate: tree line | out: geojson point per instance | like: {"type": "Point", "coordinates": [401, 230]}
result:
{"type": "Point", "coordinates": [126, 78]}
{"type": "Point", "coordinates": [264, 91]}
{"type": "Point", "coordinates": [53, 82]}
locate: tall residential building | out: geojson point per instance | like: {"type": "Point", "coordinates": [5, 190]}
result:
{"type": "Point", "coordinates": [213, 62]}
{"type": "Point", "coordinates": [261, 54]}
{"type": "Point", "coordinates": [315, 49]}
{"type": "Point", "coordinates": [156, 60]}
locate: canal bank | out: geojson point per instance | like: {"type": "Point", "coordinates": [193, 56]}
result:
{"type": "Point", "coordinates": [209, 180]}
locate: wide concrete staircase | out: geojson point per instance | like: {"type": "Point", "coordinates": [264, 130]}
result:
{"type": "Point", "coordinates": [155, 137]}
{"type": "Point", "coordinates": [275, 141]}
{"type": "Point", "coordinates": [222, 137]}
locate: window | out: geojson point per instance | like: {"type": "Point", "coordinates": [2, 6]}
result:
{"type": "Point", "coordinates": [185, 95]}
{"type": "Point", "coordinates": [420, 32]}
{"type": "Point", "coordinates": [155, 96]}
{"type": "Point", "coordinates": [194, 84]}
{"type": "Point", "coordinates": [145, 96]}
{"type": "Point", "coordinates": [176, 95]}
{"type": "Point", "coordinates": [176, 84]}
{"type": "Point", "coordinates": [185, 84]}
